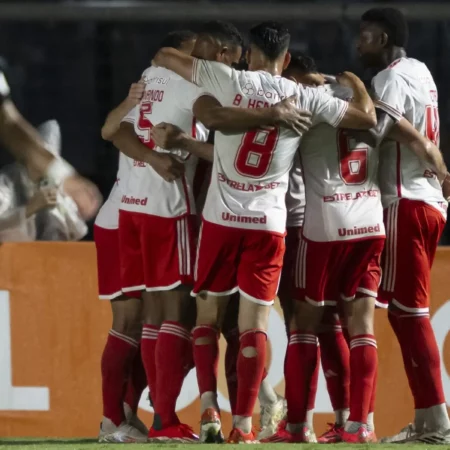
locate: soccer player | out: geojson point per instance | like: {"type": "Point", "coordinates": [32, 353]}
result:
{"type": "Point", "coordinates": [415, 212]}
{"type": "Point", "coordinates": [123, 376]}
{"type": "Point", "coordinates": [241, 243]}
{"type": "Point", "coordinates": [157, 223]}
{"type": "Point", "coordinates": [24, 142]}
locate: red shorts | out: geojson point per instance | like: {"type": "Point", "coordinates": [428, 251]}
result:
{"type": "Point", "coordinates": [108, 263]}
{"type": "Point", "coordinates": [157, 253]}
{"type": "Point", "coordinates": [328, 271]}
{"type": "Point", "coordinates": [233, 259]}
{"type": "Point", "coordinates": [413, 230]}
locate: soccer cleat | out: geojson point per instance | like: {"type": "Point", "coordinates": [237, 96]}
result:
{"type": "Point", "coordinates": [362, 436]}
{"type": "Point", "coordinates": [133, 420]}
{"type": "Point", "coordinates": [271, 416]}
{"type": "Point", "coordinates": [237, 436]}
{"type": "Point", "coordinates": [332, 436]}
{"type": "Point", "coordinates": [175, 433]}
{"type": "Point", "coordinates": [434, 437]}
{"type": "Point", "coordinates": [211, 427]}
{"type": "Point", "coordinates": [283, 436]}
{"type": "Point", "coordinates": [124, 433]}
{"type": "Point", "coordinates": [406, 434]}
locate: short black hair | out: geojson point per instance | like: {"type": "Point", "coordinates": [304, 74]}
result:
{"type": "Point", "coordinates": [176, 39]}
{"type": "Point", "coordinates": [226, 32]}
{"type": "Point", "coordinates": [392, 21]}
{"type": "Point", "coordinates": [272, 38]}
{"type": "Point", "coordinates": [302, 63]}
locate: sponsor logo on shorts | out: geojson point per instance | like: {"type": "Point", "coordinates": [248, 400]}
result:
{"type": "Point", "coordinates": [350, 197]}
{"type": "Point", "coordinates": [227, 217]}
{"type": "Point", "coordinates": [356, 231]}
{"type": "Point", "coordinates": [246, 187]}
{"type": "Point", "coordinates": [134, 201]}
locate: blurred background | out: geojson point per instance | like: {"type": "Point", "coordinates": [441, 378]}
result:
{"type": "Point", "coordinates": [74, 60]}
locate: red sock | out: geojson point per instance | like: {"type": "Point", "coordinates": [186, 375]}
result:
{"type": "Point", "coordinates": [116, 364]}
{"type": "Point", "coordinates": [148, 353]}
{"type": "Point", "coordinates": [173, 343]}
{"type": "Point", "coordinates": [250, 370]}
{"type": "Point", "coordinates": [264, 374]}
{"type": "Point", "coordinates": [374, 393]}
{"type": "Point", "coordinates": [231, 356]}
{"type": "Point", "coordinates": [417, 337]}
{"type": "Point", "coordinates": [189, 363]}
{"type": "Point", "coordinates": [137, 382]}
{"type": "Point", "coordinates": [300, 364]}
{"type": "Point", "coordinates": [313, 385]}
{"type": "Point", "coordinates": [335, 356]}
{"type": "Point", "coordinates": [206, 357]}
{"type": "Point", "coordinates": [363, 369]}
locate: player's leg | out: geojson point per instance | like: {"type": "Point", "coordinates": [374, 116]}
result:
{"type": "Point", "coordinates": [215, 281]}
{"type": "Point", "coordinates": [258, 276]}
{"type": "Point", "coordinates": [335, 358]}
{"type": "Point", "coordinates": [123, 339]}
{"type": "Point", "coordinates": [359, 290]}
{"type": "Point", "coordinates": [409, 317]}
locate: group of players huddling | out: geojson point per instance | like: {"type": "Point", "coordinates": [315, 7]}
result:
{"type": "Point", "coordinates": [311, 179]}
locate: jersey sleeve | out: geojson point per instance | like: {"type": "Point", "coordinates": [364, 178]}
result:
{"type": "Point", "coordinates": [324, 107]}
{"type": "Point", "coordinates": [214, 77]}
{"type": "Point", "coordinates": [390, 93]}
{"type": "Point", "coordinates": [4, 88]}
{"type": "Point", "coordinates": [132, 115]}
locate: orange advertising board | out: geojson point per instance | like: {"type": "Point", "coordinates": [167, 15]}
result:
{"type": "Point", "coordinates": [53, 328]}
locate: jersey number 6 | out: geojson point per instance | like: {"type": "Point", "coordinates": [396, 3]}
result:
{"type": "Point", "coordinates": [352, 160]}
{"type": "Point", "coordinates": [255, 152]}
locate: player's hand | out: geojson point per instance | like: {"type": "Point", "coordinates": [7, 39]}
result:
{"type": "Point", "coordinates": [167, 166]}
{"type": "Point", "coordinates": [347, 79]}
{"type": "Point", "coordinates": [45, 198]}
{"type": "Point", "coordinates": [168, 136]}
{"type": "Point", "coordinates": [136, 92]}
{"type": "Point", "coordinates": [287, 115]}
{"type": "Point", "coordinates": [84, 193]}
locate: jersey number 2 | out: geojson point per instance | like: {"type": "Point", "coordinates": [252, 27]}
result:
{"type": "Point", "coordinates": [255, 152]}
{"type": "Point", "coordinates": [145, 126]}
{"type": "Point", "coordinates": [352, 160]}
{"type": "Point", "coordinates": [432, 124]}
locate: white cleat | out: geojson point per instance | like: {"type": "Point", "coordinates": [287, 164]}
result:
{"type": "Point", "coordinates": [435, 437]}
{"type": "Point", "coordinates": [407, 434]}
{"type": "Point", "coordinates": [124, 433]}
{"type": "Point", "coordinates": [133, 420]}
{"type": "Point", "coordinates": [271, 416]}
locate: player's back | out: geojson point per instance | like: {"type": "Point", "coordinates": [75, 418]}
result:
{"type": "Point", "coordinates": [167, 98]}
{"type": "Point", "coordinates": [407, 89]}
{"type": "Point", "coordinates": [340, 170]}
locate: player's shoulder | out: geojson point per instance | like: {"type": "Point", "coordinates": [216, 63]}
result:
{"type": "Point", "coordinates": [337, 90]}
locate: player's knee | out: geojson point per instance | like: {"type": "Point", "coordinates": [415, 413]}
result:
{"type": "Point", "coordinates": [307, 317]}
{"type": "Point", "coordinates": [208, 314]}
{"type": "Point", "coordinates": [127, 326]}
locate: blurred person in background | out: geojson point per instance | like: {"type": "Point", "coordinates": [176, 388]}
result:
{"type": "Point", "coordinates": [31, 211]}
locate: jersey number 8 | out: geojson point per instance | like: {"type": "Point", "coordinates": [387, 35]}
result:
{"type": "Point", "coordinates": [352, 159]}
{"type": "Point", "coordinates": [255, 152]}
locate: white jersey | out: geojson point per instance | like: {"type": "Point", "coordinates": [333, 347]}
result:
{"type": "Point", "coordinates": [250, 173]}
{"type": "Point", "coordinates": [340, 171]}
{"type": "Point", "coordinates": [295, 196]}
{"type": "Point", "coordinates": [407, 89]}
{"type": "Point", "coordinates": [167, 98]}
{"type": "Point", "coordinates": [108, 216]}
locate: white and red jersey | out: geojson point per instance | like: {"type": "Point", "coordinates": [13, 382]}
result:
{"type": "Point", "coordinates": [108, 216]}
{"type": "Point", "coordinates": [167, 98]}
{"type": "Point", "coordinates": [295, 196]}
{"type": "Point", "coordinates": [406, 89]}
{"type": "Point", "coordinates": [250, 173]}
{"type": "Point", "coordinates": [340, 172]}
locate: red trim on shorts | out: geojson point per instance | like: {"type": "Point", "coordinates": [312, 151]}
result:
{"type": "Point", "coordinates": [399, 174]}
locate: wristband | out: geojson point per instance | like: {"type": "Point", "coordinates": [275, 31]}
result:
{"type": "Point", "coordinates": [58, 171]}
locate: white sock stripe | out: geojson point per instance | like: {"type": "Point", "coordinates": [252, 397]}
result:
{"type": "Point", "coordinates": [362, 345]}
{"type": "Point", "coordinates": [252, 331]}
{"type": "Point", "coordinates": [363, 339]}
{"type": "Point", "coordinates": [124, 338]}
{"type": "Point", "coordinates": [208, 327]}
{"type": "Point", "coordinates": [176, 333]}
{"type": "Point", "coordinates": [175, 328]}
{"type": "Point", "coordinates": [362, 342]}
{"type": "Point", "coordinates": [150, 333]}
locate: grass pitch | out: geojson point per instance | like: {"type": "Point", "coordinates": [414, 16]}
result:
{"type": "Point", "coordinates": [91, 444]}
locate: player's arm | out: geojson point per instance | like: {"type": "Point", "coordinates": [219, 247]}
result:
{"type": "Point", "coordinates": [126, 140]}
{"type": "Point", "coordinates": [175, 61]}
{"type": "Point", "coordinates": [169, 137]}
{"type": "Point", "coordinates": [232, 120]}
{"type": "Point", "coordinates": [360, 113]}
{"type": "Point", "coordinates": [112, 122]}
